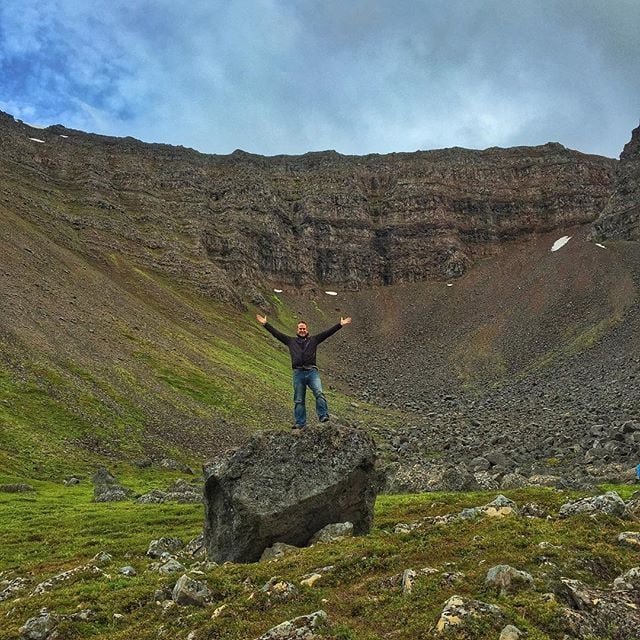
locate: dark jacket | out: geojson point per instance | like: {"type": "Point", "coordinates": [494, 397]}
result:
{"type": "Point", "coordinates": [302, 350]}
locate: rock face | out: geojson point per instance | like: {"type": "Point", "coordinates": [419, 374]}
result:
{"type": "Point", "coordinates": [230, 225]}
{"type": "Point", "coordinates": [620, 218]}
{"type": "Point", "coordinates": [285, 488]}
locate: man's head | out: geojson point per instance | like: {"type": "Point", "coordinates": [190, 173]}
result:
{"type": "Point", "coordinates": [302, 330]}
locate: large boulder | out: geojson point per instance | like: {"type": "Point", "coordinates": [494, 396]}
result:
{"type": "Point", "coordinates": [281, 487]}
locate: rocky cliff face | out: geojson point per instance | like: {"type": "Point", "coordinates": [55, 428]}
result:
{"type": "Point", "coordinates": [233, 225]}
{"type": "Point", "coordinates": [621, 216]}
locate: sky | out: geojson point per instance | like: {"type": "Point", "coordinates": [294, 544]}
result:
{"type": "Point", "coordinates": [356, 76]}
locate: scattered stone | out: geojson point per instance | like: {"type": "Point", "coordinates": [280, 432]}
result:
{"type": "Point", "coordinates": [190, 592]}
{"type": "Point", "coordinates": [609, 503]}
{"type": "Point", "coordinates": [333, 532]}
{"type": "Point", "coordinates": [594, 613]}
{"type": "Point", "coordinates": [12, 588]}
{"type": "Point", "coordinates": [84, 571]}
{"type": "Point", "coordinates": [408, 580]}
{"type": "Point", "coordinates": [630, 538]}
{"type": "Point", "coordinates": [171, 566]}
{"type": "Point", "coordinates": [285, 488]}
{"type": "Point", "coordinates": [487, 481]}
{"type": "Point", "coordinates": [154, 496]}
{"type": "Point", "coordinates": [301, 628]}
{"type": "Point", "coordinates": [195, 548]}
{"type": "Point", "coordinates": [40, 627]}
{"type": "Point", "coordinates": [101, 559]}
{"type": "Point", "coordinates": [513, 481]}
{"type": "Point", "coordinates": [106, 487]}
{"type": "Point", "coordinates": [632, 508]}
{"type": "Point", "coordinates": [539, 480]}
{"type": "Point", "coordinates": [510, 633]}
{"type": "Point", "coordinates": [183, 492]}
{"type": "Point", "coordinates": [459, 612]}
{"type": "Point", "coordinates": [532, 510]}
{"type": "Point", "coordinates": [16, 488]}
{"type": "Point", "coordinates": [128, 571]}
{"type": "Point", "coordinates": [86, 615]}
{"type": "Point", "coordinates": [164, 545]}
{"type": "Point", "coordinates": [279, 589]}
{"type": "Point", "coordinates": [310, 580]}
{"type": "Point", "coordinates": [70, 482]}
{"type": "Point", "coordinates": [499, 507]}
{"type": "Point", "coordinates": [628, 581]}
{"type": "Point", "coordinates": [278, 550]}
{"type": "Point", "coordinates": [506, 580]}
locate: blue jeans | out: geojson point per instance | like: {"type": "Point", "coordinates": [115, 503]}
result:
{"type": "Point", "coordinates": [303, 378]}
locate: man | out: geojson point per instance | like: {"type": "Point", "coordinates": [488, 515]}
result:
{"type": "Point", "coordinates": [302, 348]}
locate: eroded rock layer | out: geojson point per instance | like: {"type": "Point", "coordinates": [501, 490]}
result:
{"type": "Point", "coordinates": [234, 224]}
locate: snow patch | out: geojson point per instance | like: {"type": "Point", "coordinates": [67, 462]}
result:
{"type": "Point", "coordinates": [331, 293]}
{"type": "Point", "coordinates": [449, 284]}
{"type": "Point", "coordinates": [37, 140]}
{"type": "Point", "coordinates": [560, 242]}
{"type": "Point", "coordinates": [278, 290]}
{"type": "Point", "coordinates": [600, 245]}
{"type": "Point", "coordinates": [63, 136]}
{"type": "Point", "coordinates": [34, 126]}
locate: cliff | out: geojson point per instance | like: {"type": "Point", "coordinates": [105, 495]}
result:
{"type": "Point", "coordinates": [620, 218]}
{"type": "Point", "coordinates": [235, 225]}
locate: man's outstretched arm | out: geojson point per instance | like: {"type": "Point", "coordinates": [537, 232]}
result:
{"type": "Point", "coordinates": [329, 332]}
{"type": "Point", "coordinates": [272, 330]}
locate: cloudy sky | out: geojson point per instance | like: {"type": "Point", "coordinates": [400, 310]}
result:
{"type": "Point", "coordinates": [357, 76]}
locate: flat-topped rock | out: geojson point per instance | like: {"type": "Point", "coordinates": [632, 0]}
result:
{"type": "Point", "coordinates": [285, 488]}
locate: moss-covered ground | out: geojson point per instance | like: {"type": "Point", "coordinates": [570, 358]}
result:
{"type": "Point", "coordinates": [57, 528]}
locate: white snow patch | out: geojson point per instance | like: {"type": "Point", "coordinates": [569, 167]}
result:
{"type": "Point", "coordinates": [278, 290]}
{"type": "Point", "coordinates": [63, 136]}
{"type": "Point", "coordinates": [558, 244]}
{"type": "Point", "coordinates": [37, 140]}
{"type": "Point", "coordinates": [331, 293]}
{"type": "Point", "coordinates": [449, 284]}
{"type": "Point", "coordinates": [35, 126]}
{"type": "Point", "coordinates": [600, 245]}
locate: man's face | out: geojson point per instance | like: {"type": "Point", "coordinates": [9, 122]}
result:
{"type": "Point", "coordinates": [302, 330]}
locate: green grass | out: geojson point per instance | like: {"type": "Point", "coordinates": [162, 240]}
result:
{"type": "Point", "coordinates": [58, 528]}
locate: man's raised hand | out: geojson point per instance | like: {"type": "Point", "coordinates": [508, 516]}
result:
{"type": "Point", "coordinates": [261, 319]}
{"type": "Point", "coordinates": [344, 321]}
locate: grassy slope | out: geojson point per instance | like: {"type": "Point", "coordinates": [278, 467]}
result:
{"type": "Point", "coordinates": [58, 528]}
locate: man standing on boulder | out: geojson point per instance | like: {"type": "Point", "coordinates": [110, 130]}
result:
{"type": "Point", "coordinates": [302, 348]}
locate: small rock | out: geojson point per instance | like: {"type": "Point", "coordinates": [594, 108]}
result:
{"type": "Point", "coordinates": [41, 627]}
{"type": "Point", "coordinates": [128, 571]}
{"type": "Point", "coordinates": [172, 566]}
{"type": "Point", "coordinates": [16, 488]}
{"type": "Point", "coordinates": [101, 559]}
{"type": "Point", "coordinates": [630, 538]}
{"type": "Point", "coordinates": [190, 592]}
{"type": "Point", "coordinates": [628, 581]}
{"type": "Point", "coordinates": [278, 550]}
{"type": "Point", "coordinates": [311, 580]}
{"type": "Point", "coordinates": [506, 579]}
{"type": "Point", "coordinates": [164, 545]}
{"type": "Point", "coordinates": [333, 532]}
{"type": "Point", "coordinates": [510, 633]}
{"type": "Point", "coordinates": [458, 612]}
{"type": "Point", "coordinates": [301, 628]}
{"type": "Point", "coordinates": [279, 589]}
{"type": "Point", "coordinates": [609, 503]}
{"type": "Point", "coordinates": [408, 580]}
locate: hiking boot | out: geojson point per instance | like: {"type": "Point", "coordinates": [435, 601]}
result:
{"type": "Point", "coordinates": [296, 430]}
{"type": "Point", "coordinates": [324, 419]}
